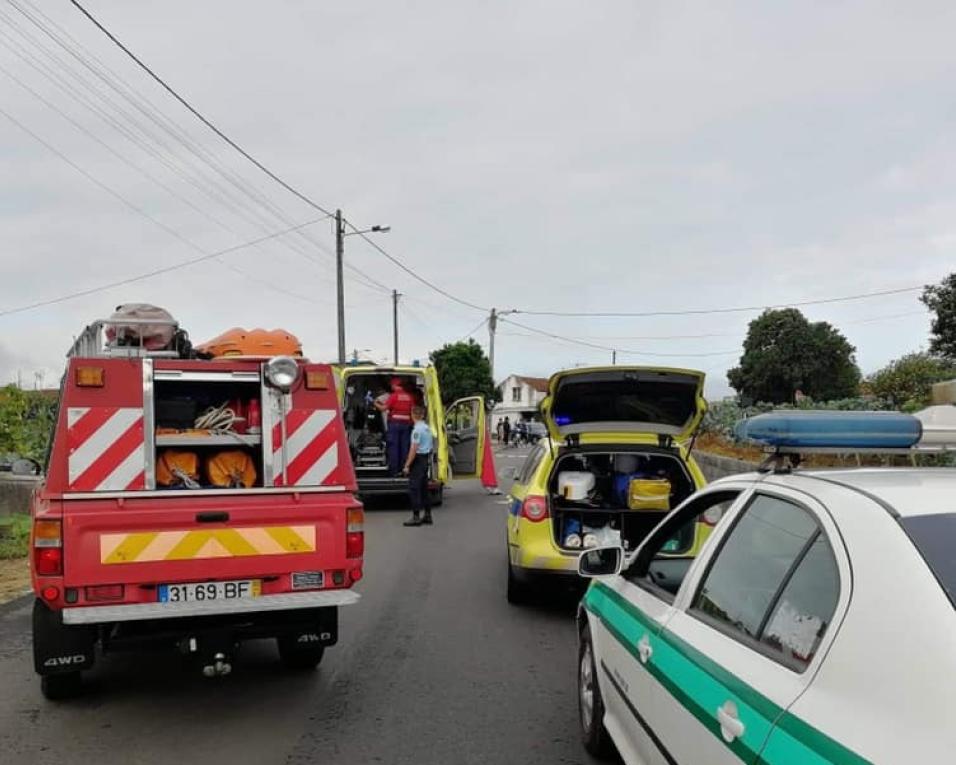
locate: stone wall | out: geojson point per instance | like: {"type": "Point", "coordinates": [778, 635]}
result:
{"type": "Point", "coordinates": [715, 466]}
{"type": "Point", "coordinates": [15, 493]}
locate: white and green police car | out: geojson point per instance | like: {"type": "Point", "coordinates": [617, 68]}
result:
{"type": "Point", "coordinates": [816, 625]}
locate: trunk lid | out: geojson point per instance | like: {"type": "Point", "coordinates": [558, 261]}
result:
{"type": "Point", "coordinates": [624, 404]}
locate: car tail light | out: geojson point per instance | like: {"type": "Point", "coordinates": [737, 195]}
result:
{"type": "Point", "coordinates": [535, 508]}
{"type": "Point", "coordinates": [50, 593]}
{"type": "Point", "coordinates": [355, 533]}
{"type": "Point", "coordinates": [48, 548]}
{"type": "Point", "coordinates": [712, 516]}
{"type": "Point", "coordinates": [105, 592]}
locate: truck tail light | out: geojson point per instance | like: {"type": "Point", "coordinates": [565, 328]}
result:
{"type": "Point", "coordinates": [48, 561]}
{"type": "Point", "coordinates": [48, 548]}
{"type": "Point", "coordinates": [355, 533]}
{"type": "Point", "coordinates": [105, 592]}
{"type": "Point", "coordinates": [534, 508]}
{"type": "Point", "coordinates": [90, 377]}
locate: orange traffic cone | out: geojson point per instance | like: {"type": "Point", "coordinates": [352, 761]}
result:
{"type": "Point", "coordinates": [489, 476]}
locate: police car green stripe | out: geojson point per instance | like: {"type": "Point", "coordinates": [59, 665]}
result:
{"type": "Point", "coordinates": [701, 686]}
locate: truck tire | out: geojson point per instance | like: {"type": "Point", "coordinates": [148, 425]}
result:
{"type": "Point", "coordinates": [298, 656]}
{"type": "Point", "coordinates": [66, 685]}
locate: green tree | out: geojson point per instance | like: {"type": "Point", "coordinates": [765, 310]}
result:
{"type": "Point", "coordinates": [907, 382]}
{"type": "Point", "coordinates": [26, 421]}
{"type": "Point", "coordinates": [463, 370]}
{"type": "Point", "coordinates": [941, 300]}
{"type": "Point", "coordinates": [784, 353]}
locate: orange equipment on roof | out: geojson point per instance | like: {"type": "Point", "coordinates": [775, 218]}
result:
{"type": "Point", "coordinates": [253, 343]}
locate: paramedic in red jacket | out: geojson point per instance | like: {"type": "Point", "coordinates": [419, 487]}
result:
{"type": "Point", "coordinates": [398, 406]}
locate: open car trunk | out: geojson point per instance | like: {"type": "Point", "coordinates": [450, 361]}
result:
{"type": "Point", "coordinates": [613, 495]}
{"type": "Point", "coordinates": [367, 426]}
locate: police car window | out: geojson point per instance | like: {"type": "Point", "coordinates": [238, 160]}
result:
{"type": "Point", "coordinates": [754, 560]}
{"type": "Point", "coordinates": [935, 538]}
{"type": "Point", "coordinates": [803, 610]}
{"type": "Point", "coordinates": [668, 556]}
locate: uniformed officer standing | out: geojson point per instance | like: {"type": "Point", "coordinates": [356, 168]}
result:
{"type": "Point", "coordinates": [416, 468]}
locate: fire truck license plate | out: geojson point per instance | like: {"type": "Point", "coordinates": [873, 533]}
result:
{"type": "Point", "coordinates": [192, 592]}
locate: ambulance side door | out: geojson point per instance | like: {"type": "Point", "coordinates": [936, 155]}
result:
{"type": "Point", "coordinates": [465, 426]}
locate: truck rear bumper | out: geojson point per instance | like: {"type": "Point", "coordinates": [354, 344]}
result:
{"type": "Point", "coordinates": [142, 611]}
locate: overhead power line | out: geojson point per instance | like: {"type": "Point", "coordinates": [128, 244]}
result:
{"type": "Point", "coordinates": [157, 271]}
{"type": "Point", "coordinates": [705, 311]}
{"type": "Point", "coordinates": [275, 177]}
{"type": "Point", "coordinates": [198, 115]}
{"type": "Point", "coordinates": [596, 346]}
{"type": "Point", "coordinates": [480, 325]}
{"type": "Point", "coordinates": [411, 272]}
{"type": "Point", "coordinates": [208, 186]}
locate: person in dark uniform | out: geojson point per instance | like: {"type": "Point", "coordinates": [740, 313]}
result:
{"type": "Point", "coordinates": [416, 468]}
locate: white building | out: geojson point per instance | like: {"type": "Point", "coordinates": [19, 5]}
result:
{"type": "Point", "coordinates": [520, 397]}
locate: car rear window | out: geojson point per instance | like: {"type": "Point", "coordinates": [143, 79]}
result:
{"type": "Point", "coordinates": [657, 399]}
{"type": "Point", "coordinates": [935, 537]}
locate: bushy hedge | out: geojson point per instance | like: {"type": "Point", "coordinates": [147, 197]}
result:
{"type": "Point", "coordinates": [26, 422]}
{"type": "Point", "coordinates": [722, 416]}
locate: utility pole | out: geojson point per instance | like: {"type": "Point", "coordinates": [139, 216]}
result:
{"type": "Point", "coordinates": [492, 326]}
{"type": "Point", "coordinates": [340, 235]}
{"type": "Point", "coordinates": [613, 357]}
{"type": "Point", "coordinates": [340, 281]}
{"type": "Point", "coordinates": [395, 296]}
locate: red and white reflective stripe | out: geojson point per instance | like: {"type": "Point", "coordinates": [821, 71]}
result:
{"type": "Point", "coordinates": [312, 451]}
{"type": "Point", "coordinates": [107, 449]}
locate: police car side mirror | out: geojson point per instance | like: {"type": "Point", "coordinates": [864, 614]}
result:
{"type": "Point", "coordinates": [600, 562]}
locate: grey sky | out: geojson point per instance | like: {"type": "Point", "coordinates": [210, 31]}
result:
{"type": "Point", "coordinates": [544, 155]}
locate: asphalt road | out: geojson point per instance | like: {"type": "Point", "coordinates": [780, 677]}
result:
{"type": "Point", "coordinates": [432, 666]}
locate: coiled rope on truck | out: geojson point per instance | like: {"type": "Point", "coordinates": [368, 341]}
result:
{"type": "Point", "coordinates": [217, 419]}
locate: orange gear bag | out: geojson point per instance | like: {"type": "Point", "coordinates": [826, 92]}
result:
{"type": "Point", "coordinates": [174, 467]}
{"type": "Point", "coordinates": [233, 469]}
{"type": "Point", "coordinates": [254, 343]}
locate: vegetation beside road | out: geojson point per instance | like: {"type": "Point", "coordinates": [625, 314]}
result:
{"type": "Point", "coordinates": [14, 536]}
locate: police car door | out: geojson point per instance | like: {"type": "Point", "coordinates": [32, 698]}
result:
{"type": "Point", "coordinates": [750, 626]}
{"type": "Point", "coordinates": [631, 612]}
{"type": "Point", "coordinates": [465, 426]}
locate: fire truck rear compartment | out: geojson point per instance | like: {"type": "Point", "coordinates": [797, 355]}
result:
{"type": "Point", "coordinates": [178, 407]}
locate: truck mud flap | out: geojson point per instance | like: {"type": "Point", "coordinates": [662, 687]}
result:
{"type": "Point", "coordinates": [58, 648]}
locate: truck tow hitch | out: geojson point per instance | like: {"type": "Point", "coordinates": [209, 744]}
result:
{"type": "Point", "coordinates": [215, 659]}
{"type": "Point", "coordinates": [220, 667]}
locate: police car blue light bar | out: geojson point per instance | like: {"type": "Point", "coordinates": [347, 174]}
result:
{"type": "Point", "coordinates": [810, 430]}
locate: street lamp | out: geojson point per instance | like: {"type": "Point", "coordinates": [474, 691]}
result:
{"type": "Point", "coordinates": [340, 234]}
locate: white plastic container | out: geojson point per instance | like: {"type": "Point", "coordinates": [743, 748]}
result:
{"type": "Point", "coordinates": [575, 485]}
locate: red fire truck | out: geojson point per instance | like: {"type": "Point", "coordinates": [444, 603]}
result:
{"type": "Point", "coordinates": [162, 522]}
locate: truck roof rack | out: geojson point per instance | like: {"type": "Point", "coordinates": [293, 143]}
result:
{"type": "Point", "coordinates": [92, 344]}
